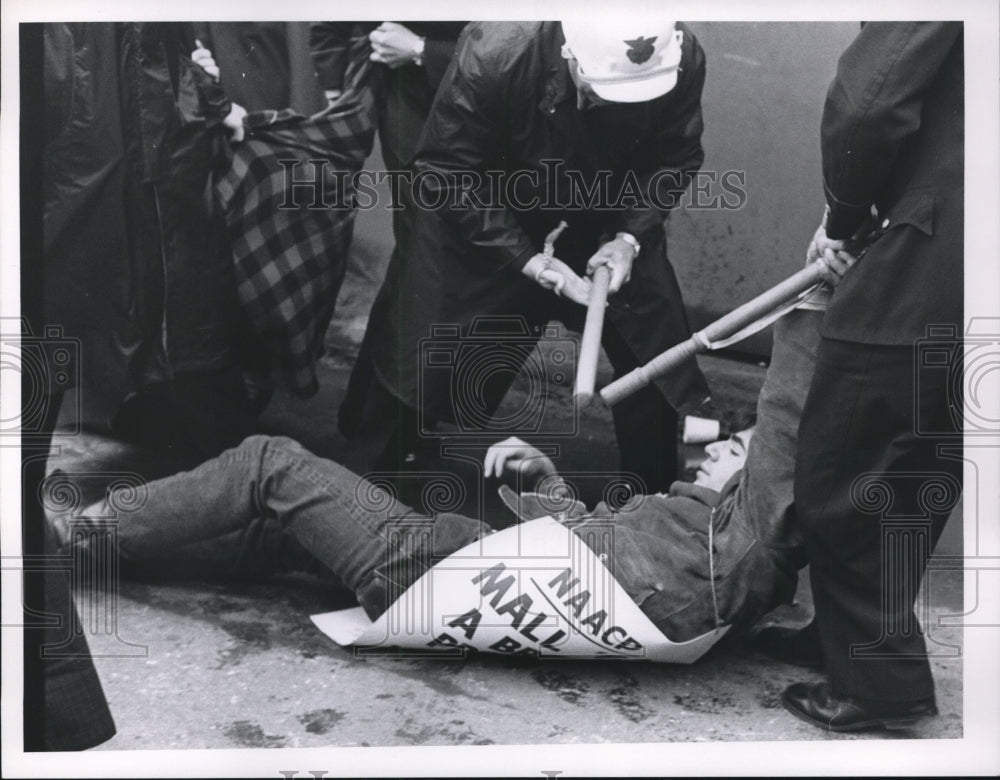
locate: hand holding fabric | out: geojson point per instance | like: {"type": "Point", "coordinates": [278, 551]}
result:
{"type": "Point", "coordinates": [234, 121]}
{"type": "Point", "coordinates": [553, 274]}
{"type": "Point", "coordinates": [394, 45]}
{"type": "Point", "coordinates": [203, 57]}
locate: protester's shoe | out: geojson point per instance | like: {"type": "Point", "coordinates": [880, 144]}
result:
{"type": "Point", "coordinates": [58, 506]}
{"type": "Point", "coordinates": [61, 533]}
{"type": "Point", "coordinates": [817, 704]}
{"type": "Point", "coordinates": [799, 646]}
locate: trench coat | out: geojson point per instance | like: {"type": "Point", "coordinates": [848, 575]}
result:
{"type": "Point", "coordinates": [136, 256]}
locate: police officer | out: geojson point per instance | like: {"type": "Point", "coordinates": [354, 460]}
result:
{"type": "Point", "coordinates": [529, 118]}
{"type": "Point", "coordinates": [879, 459]}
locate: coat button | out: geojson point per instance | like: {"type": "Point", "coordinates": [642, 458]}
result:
{"type": "Point", "coordinates": [552, 109]}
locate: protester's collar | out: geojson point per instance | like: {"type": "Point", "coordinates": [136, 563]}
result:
{"type": "Point", "coordinates": [707, 496]}
{"type": "Point", "coordinates": [699, 493]}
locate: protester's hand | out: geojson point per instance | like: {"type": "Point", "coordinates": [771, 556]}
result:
{"type": "Point", "coordinates": [617, 255]}
{"type": "Point", "coordinates": [519, 457]}
{"type": "Point", "coordinates": [834, 261]}
{"type": "Point", "coordinates": [203, 57]}
{"type": "Point", "coordinates": [553, 274]}
{"type": "Point", "coordinates": [234, 121]}
{"type": "Point", "coordinates": [394, 45]}
{"type": "Point", "coordinates": [332, 96]}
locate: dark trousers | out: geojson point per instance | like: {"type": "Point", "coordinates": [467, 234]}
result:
{"type": "Point", "coordinates": [383, 429]}
{"type": "Point", "coordinates": [645, 425]}
{"type": "Point", "coordinates": [188, 419]}
{"type": "Point", "coordinates": [878, 471]}
{"type": "Point", "coordinates": [64, 703]}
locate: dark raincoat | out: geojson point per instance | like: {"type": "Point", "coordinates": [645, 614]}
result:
{"type": "Point", "coordinates": [137, 261]}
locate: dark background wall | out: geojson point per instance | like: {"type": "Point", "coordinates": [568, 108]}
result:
{"type": "Point", "coordinates": [763, 99]}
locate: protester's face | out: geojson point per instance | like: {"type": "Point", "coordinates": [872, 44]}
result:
{"type": "Point", "coordinates": [724, 458]}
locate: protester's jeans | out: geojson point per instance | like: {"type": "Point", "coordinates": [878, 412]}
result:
{"type": "Point", "coordinates": [253, 508]}
{"type": "Point", "coordinates": [765, 495]}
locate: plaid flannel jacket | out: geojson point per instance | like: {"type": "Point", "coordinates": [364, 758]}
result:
{"type": "Point", "coordinates": [290, 237]}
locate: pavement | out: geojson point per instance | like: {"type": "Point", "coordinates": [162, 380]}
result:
{"type": "Point", "coordinates": [221, 665]}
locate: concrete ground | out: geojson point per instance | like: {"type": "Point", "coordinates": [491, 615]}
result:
{"type": "Point", "coordinates": [230, 666]}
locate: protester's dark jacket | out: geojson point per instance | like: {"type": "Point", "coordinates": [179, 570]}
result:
{"type": "Point", "coordinates": [403, 95]}
{"type": "Point", "coordinates": [508, 105]}
{"type": "Point", "coordinates": [136, 262]}
{"type": "Point", "coordinates": [893, 137]}
{"type": "Point", "coordinates": [660, 550]}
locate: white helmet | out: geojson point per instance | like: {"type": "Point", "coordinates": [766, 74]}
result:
{"type": "Point", "coordinates": [624, 60]}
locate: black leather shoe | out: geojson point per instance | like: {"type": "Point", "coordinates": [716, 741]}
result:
{"type": "Point", "coordinates": [799, 646]}
{"type": "Point", "coordinates": [817, 704]}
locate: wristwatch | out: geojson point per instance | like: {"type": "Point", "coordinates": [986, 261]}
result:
{"type": "Point", "coordinates": [632, 241]}
{"type": "Point", "coordinates": [418, 51]}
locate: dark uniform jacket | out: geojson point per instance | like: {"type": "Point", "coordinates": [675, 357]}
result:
{"type": "Point", "coordinates": [508, 105]}
{"type": "Point", "coordinates": [264, 65]}
{"type": "Point", "coordinates": [403, 95]}
{"type": "Point", "coordinates": [253, 61]}
{"type": "Point", "coordinates": [898, 145]}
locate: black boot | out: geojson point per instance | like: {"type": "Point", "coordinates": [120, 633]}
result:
{"type": "Point", "coordinates": [816, 703]}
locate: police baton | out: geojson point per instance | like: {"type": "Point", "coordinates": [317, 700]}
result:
{"type": "Point", "coordinates": [738, 324]}
{"type": "Point", "coordinates": [590, 344]}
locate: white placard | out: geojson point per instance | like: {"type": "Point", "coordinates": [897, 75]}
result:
{"type": "Point", "coordinates": [531, 589]}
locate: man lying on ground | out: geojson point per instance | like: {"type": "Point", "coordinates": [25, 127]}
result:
{"type": "Point", "coordinates": [269, 505]}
